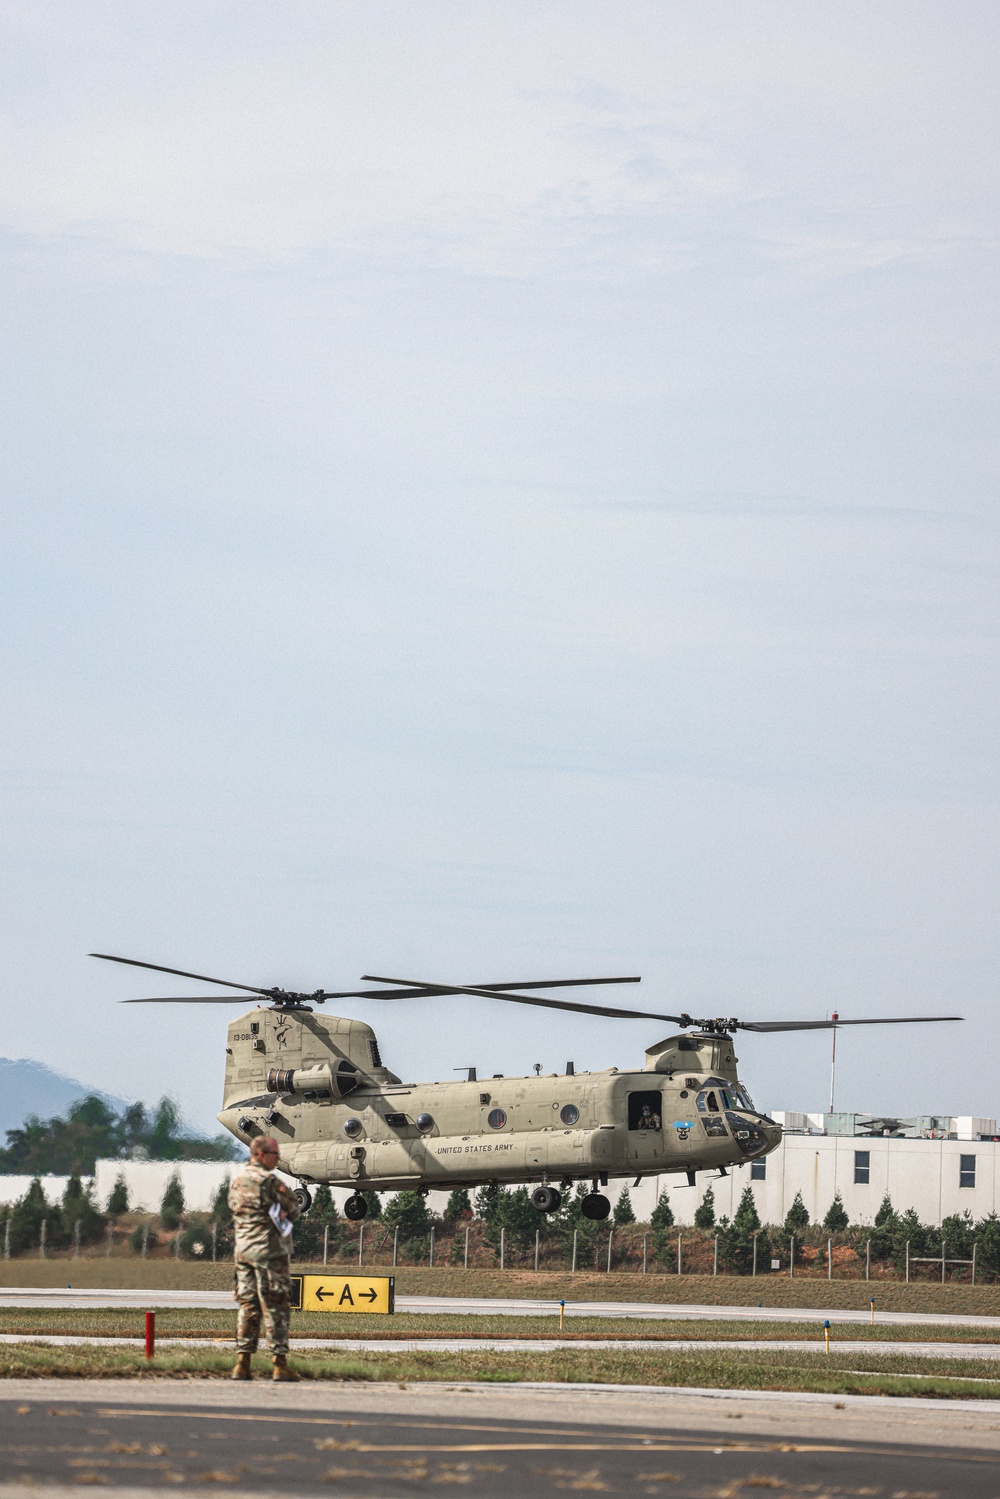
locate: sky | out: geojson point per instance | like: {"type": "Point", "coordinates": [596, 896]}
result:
{"type": "Point", "coordinates": [496, 493]}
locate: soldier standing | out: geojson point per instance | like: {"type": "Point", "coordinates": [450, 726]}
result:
{"type": "Point", "coordinates": [263, 1212]}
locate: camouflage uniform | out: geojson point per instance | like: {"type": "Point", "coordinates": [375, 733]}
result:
{"type": "Point", "coordinates": [262, 1283]}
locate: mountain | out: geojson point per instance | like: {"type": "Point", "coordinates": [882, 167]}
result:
{"type": "Point", "coordinates": [28, 1087]}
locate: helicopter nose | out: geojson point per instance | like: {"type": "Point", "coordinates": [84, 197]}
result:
{"type": "Point", "coordinates": [771, 1132]}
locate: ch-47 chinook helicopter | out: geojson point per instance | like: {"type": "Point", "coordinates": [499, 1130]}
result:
{"type": "Point", "coordinates": [318, 1085]}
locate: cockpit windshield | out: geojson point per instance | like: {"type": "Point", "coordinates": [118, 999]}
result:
{"type": "Point", "coordinates": [725, 1095]}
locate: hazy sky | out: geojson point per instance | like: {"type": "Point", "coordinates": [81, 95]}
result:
{"type": "Point", "coordinates": [496, 492]}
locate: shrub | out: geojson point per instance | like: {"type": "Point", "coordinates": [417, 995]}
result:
{"type": "Point", "coordinates": [140, 1239]}
{"type": "Point", "coordinates": [196, 1241]}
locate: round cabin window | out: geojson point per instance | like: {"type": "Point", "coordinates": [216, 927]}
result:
{"type": "Point", "coordinates": [424, 1123]}
{"type": "Point", "coordinates": [569, 1114]}
{"type": "Point", "coordinates": [353, 1128]}
{"type": "Point", "coordinates": [496, 1119]}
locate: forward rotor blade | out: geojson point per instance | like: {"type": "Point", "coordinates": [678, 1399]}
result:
{"type": "Point", "coordinates": [180, 972]}
{"type": "Point", "coordinates": [426, 990]}
{"type": "Point", "coordinates": [527, 999]}
{"type": "Point", "coordinates": [188, 999]}
{"type": "Point", "coordinates": [834, 1025]}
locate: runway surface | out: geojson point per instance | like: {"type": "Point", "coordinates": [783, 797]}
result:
{"type": "Point", "coordinates": [79, 1299]}
{"type": "Point", "coordinates": [985, 1351]}
{"type": "Point", "coordinates": [145, 1438]}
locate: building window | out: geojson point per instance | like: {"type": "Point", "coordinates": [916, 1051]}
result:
{"type": "Point", "coordinates": [862, 1167]}
{"type": "Point", "coordinates": [758, 1170]}
{"type": "Point", "coordinates": [966, 1171]}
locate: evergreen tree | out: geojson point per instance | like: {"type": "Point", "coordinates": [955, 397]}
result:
{"type": "Point", "coordinates": [78, 1207]}
{"type": "Point", "coordinates": [885, 1230]}
{"type": "Point", "coordinates": [797, 1217]}
{"type": "Point", "coordinates": [408, 1212]}
{"type": "Point", "coordinates": [661, 1221]}
{"type": "Point", "coordinates": [836, 1219]}
{"type": "Point", "coordinates": [736, 1239]}
{"type": "Point", "coordinates": [26, 1218]}
{"type": "Point", "coordinates": [704, 1216]}
{"type": "Point", "coordinates": [374, 1204]}
{"type": "Point", "coordinates": [510, 1211]}
{"type": "Point", "coordinates": [624, 1212]}
{"type": "Point", "coordinates": [988, 1245]}
{"type": "Point", "coordinates": [221, 1211]}
{"type": "Point", "coordinates": [172, 1204]}
{"type": "Point", "coordinates": [958, 1233]}
{"type": "Point", "coordinates": [118, 1201]}
{"type": "Point", "coordinates": [458, 1206]}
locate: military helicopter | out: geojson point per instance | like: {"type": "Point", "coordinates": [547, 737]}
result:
{"type": "Point", "coordinates": [318, 1085]}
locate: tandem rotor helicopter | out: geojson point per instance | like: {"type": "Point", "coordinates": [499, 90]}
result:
{"type": "Point", "coordinates": [318, 1084]}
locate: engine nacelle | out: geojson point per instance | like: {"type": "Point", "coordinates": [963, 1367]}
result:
{"type": "Point", "coordinates": [321, 1082]}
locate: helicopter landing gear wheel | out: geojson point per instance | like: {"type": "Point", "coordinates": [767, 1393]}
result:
{"type": "Point", "coordinates": [355, 1208]}
{"type": "Point", "coordinates": [546, 1200]}
{"type": "Point", "coordinates": [303, 1197]}
{"type": "Point", "coordinates": [596, 1206]}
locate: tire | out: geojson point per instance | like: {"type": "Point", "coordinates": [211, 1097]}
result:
{"type": "Point", "coordinates": [546, 1200]}
{"type": "Point", "coordinates": [355, 1208]}
{"type": "Point", "coordinates": [595, 1206]}
{"type": "Point", "coordinates": [303, 1197]}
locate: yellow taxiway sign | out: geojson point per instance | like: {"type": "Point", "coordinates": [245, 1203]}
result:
{"type": "Point", "coordinates": [344, 1293]}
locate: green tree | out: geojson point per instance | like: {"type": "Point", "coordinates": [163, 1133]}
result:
{"type": "Point", "coordinates": [374, 1204]}
{"type": "Point", "coordinates": [704, 1216]}
{"type": "Point", "coordinates": [78, 1207]}
{"type": "Point", "coordinates": [458, 1206]}
{"type": "Point", "coordinates": [797, 1217]}
{"type": "Point", "coordinates": [172, 1205]}
{"type": "Point", "coordinates": [221, 1211]}
{"type": "Point", "coordinates": [988, 1245]}
{"type": "Point", "coordinates": [624, 1211]}
{"type": "Point", "coordinates": [958, 1234]}
{"type": "Point", "coordinates": [26, 1218]}
{"type": "Point", "coordinates": [408, 1212]}
{"type": "Point", "coordinates": [512, 1212]}
{"type": "Point", "coordinates": [661, 1220]}
{"type": "Point", "coordinates": [118, 1201]}
{"type": "Point", "coordinates": [196, 1241]}
{"type": "Point", "coordinates": [91, 1129]}
{"type": "Point", "coordinates": [836, 1219]}
{"type": "Point", "coordinates": [885, 1230]}
{"type": "Point", "coordinates": [736, 1239]}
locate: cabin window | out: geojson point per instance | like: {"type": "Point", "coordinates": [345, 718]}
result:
{"type": "Point", "coordinates": [758, 1171]}
{"type": "Point", "coordinates": [569, 1113]}
{"type": "Point", "coordinates": [644, 1111]}
{"type": "Point", "coordinates": [496, 1119]}
{"type": "Point", "coordinates": [862, 1167]}
{"type": "Point", "coordinates": [966, 1171]}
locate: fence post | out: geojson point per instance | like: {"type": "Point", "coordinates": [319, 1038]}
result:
{"type": "Point", "coordinates": [326, 1243]}
{"type": "Point", "coordinates": [611, 1237]}
{"type": "Point", "coordinates": [907, 1262]}
{"type": "Point", "coordinates": [503, 1248]}
{"type": "Point", "coordinates": [575, 1233]}
{"type": "Point", "coordinates": [973, 1262]}
{"type": "Point", "coordinates": [538, 1245]}
{"type": "Point", "coordinates": [41, 1238]}
{"type": "Point", "coordinates": [145, 1239]}
{"type": "Point", "coordinates": [467, 1248]}
{"type": "Point", "coordinates": [6, 1238]}
{"type": "Point", "coordinates": [177, 1245]}
{"type": "Point", "coordinates": [791, 1257]}
{"type": "Point", "coordinates": [680, 1254]}
{"type": "Point", "coordinates": [829, 1259]}
{"type": "Point", "coordinates": [431, 1256]}
{"type": "Point", "coordinates": [942, 1259]}
{"type": "Point", "coordinates": [111, 1240]}
{"type": "Point", "coordinates": [215, 1239]}
{"type": "Point", "coordinates": [395, 1246]}
{"type": "Point", "coordinates": [645, 1252]}
{"type": "Point", "coordinates": [715, 1256]}
{"type": "Point", "coordinates": [76, 1239]}
{"type": "Point", "coordinates": [361, 1245]}
{"type": "Point", "coordinates": [754, 1271]}
{"type": "Point", "coordinates": [868, 1259]}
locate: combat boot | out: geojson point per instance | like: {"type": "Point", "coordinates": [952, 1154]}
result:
{"type": "Point", "coordinates": [282, 1372]}
{"type": "Point", "coordinates": [241, 1368]}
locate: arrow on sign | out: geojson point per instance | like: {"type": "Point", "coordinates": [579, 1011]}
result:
{"type": "Point", "coordinates": [320, 1293]}
{"type": "Point", "coordinates": [371, 1294]}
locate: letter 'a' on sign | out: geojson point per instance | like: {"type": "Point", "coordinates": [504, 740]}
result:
{"type": "Point", "coordinates": [344, 1293]}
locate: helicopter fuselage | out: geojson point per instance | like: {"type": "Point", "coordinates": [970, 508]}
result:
{"type": "Point", "coordinates": [317, 1084]}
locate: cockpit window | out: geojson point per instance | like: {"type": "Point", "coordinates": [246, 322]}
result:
{"type": "Point", "coordinates": [707, 1102]}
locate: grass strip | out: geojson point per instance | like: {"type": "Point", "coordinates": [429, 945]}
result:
{"type": "Point", "coordinates": [885, 1374]}
{"type": "Point", "coordinates": [188, 1323]}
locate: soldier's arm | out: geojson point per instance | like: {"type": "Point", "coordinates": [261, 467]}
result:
{"type": "Point", "coordinates": [280, 1193]}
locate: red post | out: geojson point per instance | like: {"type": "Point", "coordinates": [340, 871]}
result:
{"type": "Point", "coordinates": [150, 1334]}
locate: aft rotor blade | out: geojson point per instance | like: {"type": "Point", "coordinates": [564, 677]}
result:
{"type": "Point", "coordinates": [834, 1025]}
{"type": "Point", "coordinates": [180, 972]}
{"type": "Point", "coordinates": [527, 999]}
{"type": "Point", "coordinates": [426, 990]}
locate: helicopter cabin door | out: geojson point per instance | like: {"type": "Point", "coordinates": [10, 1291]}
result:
{"type": "Point", "coordinates": [645, 1127]}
